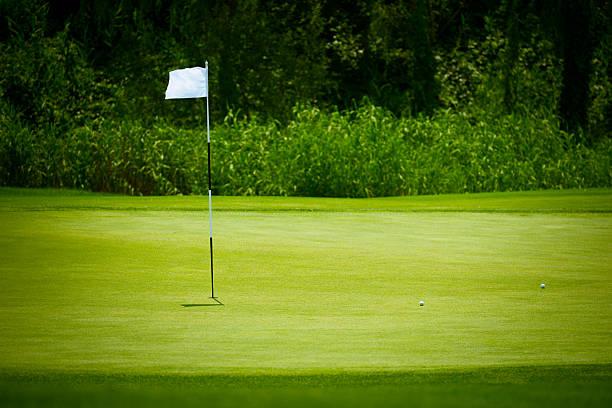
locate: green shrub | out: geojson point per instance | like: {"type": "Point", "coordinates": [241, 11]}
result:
{"type": "Point", "coordinates": [20, 154]}
{"type": "Point", "coordinates": [369, 152]}
{"type": "Point", "coordinates": [366, 152]}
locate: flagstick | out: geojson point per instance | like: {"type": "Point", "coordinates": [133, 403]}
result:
{"type": "Point", "coordinates": [212, 283]}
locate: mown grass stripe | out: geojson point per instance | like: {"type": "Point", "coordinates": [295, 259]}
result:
{"type": "Point", "coordinates": [554, 201]}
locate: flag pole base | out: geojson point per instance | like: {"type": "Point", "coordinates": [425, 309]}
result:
{"type": "Point", "coordinates": [216, 301]}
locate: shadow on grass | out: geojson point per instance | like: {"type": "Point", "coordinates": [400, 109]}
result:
{"type": "Point", "coordinates": [499, 387]}
{"type": "Point", "coordinates": [216, 302]}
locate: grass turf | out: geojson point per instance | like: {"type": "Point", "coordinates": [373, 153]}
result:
{"type": "Point", "coordinates": [576, 385]}
{"type": "Point", "coordinates": [316, 291]}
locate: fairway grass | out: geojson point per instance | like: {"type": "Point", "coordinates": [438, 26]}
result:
{"type": "Point", "coordinates": [316, 292]}
{"type": "Point", "coordinates": [559, 386]}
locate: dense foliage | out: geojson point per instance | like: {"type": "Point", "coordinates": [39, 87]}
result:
{"type": "Point", "coordinates": [360, 153]}
{"type": "Point", "coordinates": [343, 98]}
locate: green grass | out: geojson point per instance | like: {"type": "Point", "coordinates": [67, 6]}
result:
{"type": "Point", "coordinates": [562, 201]}
{"type": "Point", "coordinates": [558, 386]}
{"type": "Point", "coordinates": [321, 299]}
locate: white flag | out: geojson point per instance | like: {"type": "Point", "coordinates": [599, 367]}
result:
{"type": "Point", "coordinates": [188, 83]}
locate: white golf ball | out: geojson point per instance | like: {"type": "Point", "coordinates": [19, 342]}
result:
{"type": "Point", "coordinates": [542, 286]}
{"type": "Point", "coordinates": [421, 303]}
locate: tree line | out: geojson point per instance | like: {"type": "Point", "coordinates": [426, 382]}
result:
{"type": "Point", "coordinates": [75, 67]}
{"type": "Point", "coordinates": [410, 56]}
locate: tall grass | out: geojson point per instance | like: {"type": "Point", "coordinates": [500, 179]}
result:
{"type": "Point", "coordinates": [362, 153]}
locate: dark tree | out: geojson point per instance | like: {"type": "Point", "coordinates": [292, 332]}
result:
{"type": "Point", "coordinates": [576, 45]}
{"type": "Point", "coordinates": [427, 89]}
{"type": "Point", "coordinates": [402, 56]}
{"type": "Point", "coordinates": [511, 54]}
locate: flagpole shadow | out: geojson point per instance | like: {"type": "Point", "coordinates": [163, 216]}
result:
{"type": "Point", "coordinates": [216, 302]}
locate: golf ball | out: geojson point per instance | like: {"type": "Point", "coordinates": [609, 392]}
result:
{"type": "Point", "coordinates": [542, 286]}
{"type": "Point", "coordinates": [421, 303]}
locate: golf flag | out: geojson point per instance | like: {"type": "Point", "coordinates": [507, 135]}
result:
{"type": "Point", "coordinates": [188, 83]}
{"type": "Point", "coordinates": [193, 83]}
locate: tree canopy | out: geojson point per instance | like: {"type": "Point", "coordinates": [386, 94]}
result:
{"type": "Point", "coordinates": [410, 96]}
{"type": "Point", "coordinates": [409, 56]}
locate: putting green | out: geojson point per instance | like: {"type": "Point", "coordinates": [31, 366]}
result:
{"type": "Point", "coordinates": [96, 283]}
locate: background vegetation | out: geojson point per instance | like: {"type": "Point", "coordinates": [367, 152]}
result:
{"type": "Point", "coordinates": [343, 98]}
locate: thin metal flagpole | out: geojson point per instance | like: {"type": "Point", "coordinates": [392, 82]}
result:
{"type": "Point", "coordinates": [212, 282]}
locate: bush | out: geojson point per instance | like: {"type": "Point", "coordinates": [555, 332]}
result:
{"type": "Point", "coordinates": [366, 152]}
